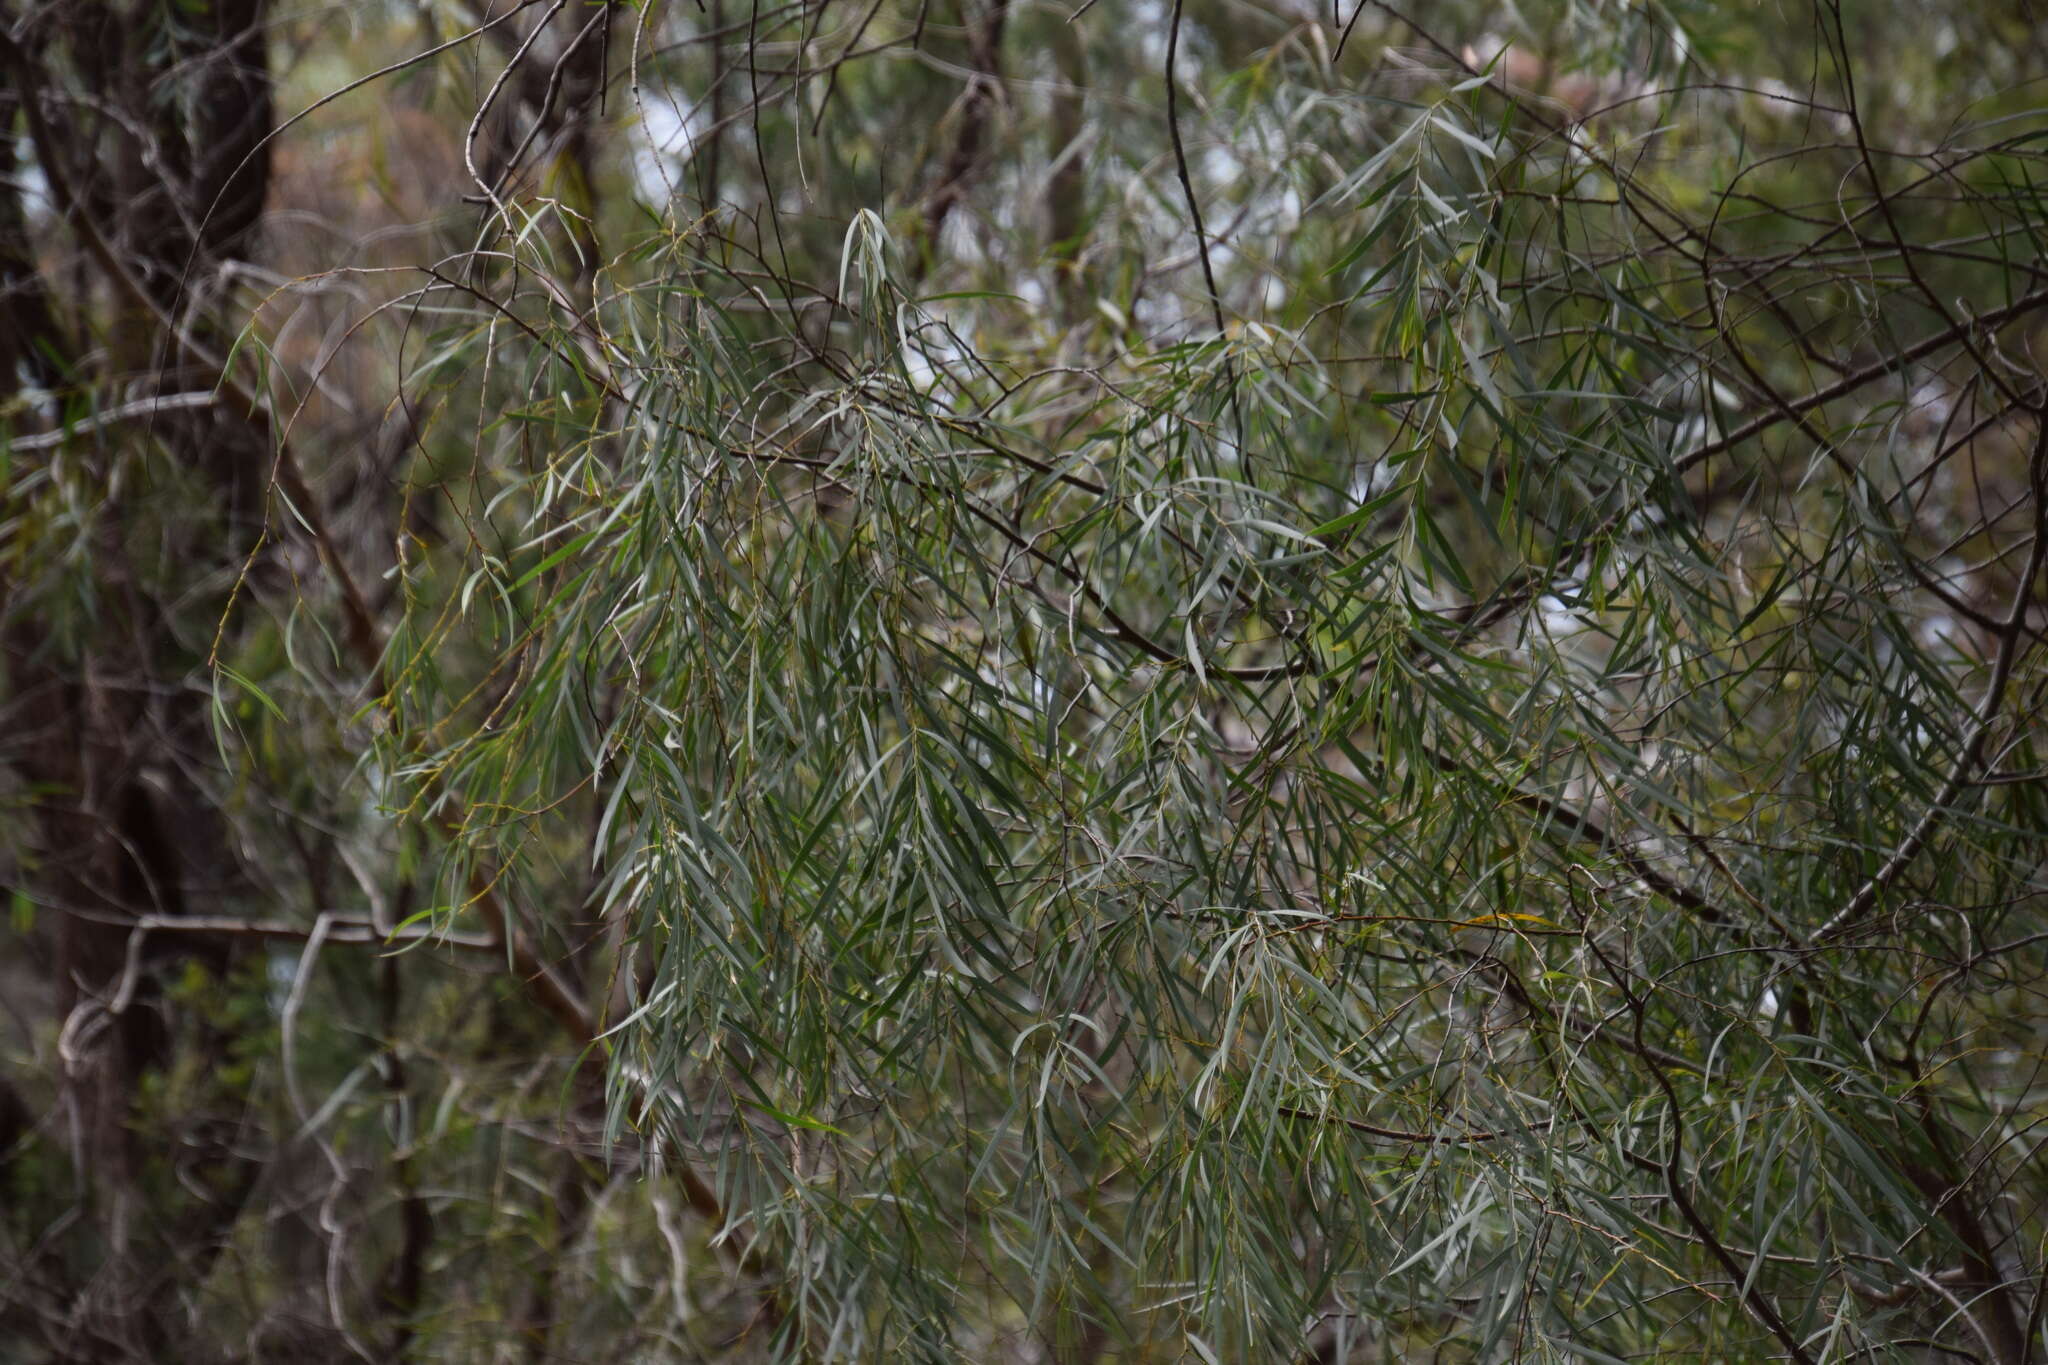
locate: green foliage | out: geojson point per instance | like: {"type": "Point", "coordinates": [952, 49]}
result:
{"type": "Point", "coordinates": [1449, 768]}
{"type": "Point", "coordinates": [1354, 826]}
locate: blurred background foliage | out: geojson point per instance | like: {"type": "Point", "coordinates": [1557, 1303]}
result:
{"type": "Point", "coordinates": [987, 681]}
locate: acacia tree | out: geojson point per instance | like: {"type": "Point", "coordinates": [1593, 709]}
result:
{"type": "Point", "coordinates": [1122, 682]}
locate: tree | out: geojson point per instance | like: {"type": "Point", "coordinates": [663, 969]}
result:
{"type": "Point", "coordinates": [998, 683]}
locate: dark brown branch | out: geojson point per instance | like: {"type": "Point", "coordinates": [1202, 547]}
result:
{"type": "Point", "coordinates": [977, 107]}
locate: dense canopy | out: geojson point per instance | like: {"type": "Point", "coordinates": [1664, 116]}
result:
{"type": "Point", "coordinates": [968, 680]}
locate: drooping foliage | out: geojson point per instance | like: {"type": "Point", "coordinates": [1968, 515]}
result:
{"type": "Point", "coordinates": [1136, 682]}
